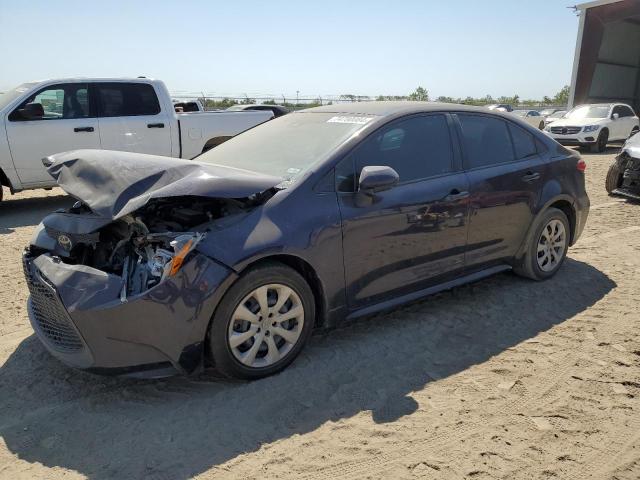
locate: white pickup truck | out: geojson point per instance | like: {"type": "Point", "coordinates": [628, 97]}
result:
{"type": "Point", "coordinates": [135, 115]}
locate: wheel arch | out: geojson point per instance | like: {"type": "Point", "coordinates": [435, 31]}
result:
{"type": "Point", "coordinates": [307, 271]}
{"type": "Point", "coordinates": [214, 142]}
{"type": "Point", "coordinates": [565, 204]}
{"type": "Point", "coordinates": [5, 182]}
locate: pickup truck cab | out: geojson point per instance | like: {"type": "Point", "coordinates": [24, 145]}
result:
{"type": "Point", "coordinates": [134, 115]}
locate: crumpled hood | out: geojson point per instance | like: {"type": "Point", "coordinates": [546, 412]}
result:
{"type": "Point", "coordinates": [632, 146]}
{"type": "Point", "coordinates": [114, 184]}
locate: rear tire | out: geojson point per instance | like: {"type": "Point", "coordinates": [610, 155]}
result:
{"type": "Point", "coordinates": [614, 177]}
{"type": "Point", "coordinates": [601, 144]}
{"type": "Point", "coordinates": [552, 224]}
{"type": "Point", "coordinates": [242, 322]}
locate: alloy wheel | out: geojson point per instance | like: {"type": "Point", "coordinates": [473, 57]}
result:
{"type": "Point", "coordinates": [551, 245]}
{"type": "Point", "coordinates": [266, 325]}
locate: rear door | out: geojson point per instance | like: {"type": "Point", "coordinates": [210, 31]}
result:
{"type": "Point", "coordinates": [505, 169]}
{"type": "Point", "coordinates": [131, 119]}
{"type": "Point", "coordinates": [67, 122]}
{"type": "Point", "coordinates": [413, 235]}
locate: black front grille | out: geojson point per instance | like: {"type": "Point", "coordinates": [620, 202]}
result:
{"type": "Point", "coordinates": [48, 311]}
{"type": "Point", "coordinates": [565, 130]}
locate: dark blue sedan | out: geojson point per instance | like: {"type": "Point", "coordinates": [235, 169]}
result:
{"type": "Point", "coordinates": [320, 216]}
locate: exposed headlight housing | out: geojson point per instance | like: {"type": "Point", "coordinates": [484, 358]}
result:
{"type": "Point", "coordinates": [591, 128]}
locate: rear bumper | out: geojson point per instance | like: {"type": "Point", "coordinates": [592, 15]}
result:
{"type": "Point", "coordinates": [77, 314]}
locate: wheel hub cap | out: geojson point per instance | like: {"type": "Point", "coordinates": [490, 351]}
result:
{"type": "Point", "coordinates": [266, 325]}
{"type": "Point", "coordinates": [551, 245]}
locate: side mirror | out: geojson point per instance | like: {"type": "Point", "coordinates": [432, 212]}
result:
{"type": "Point", "coordinates": [375, 179]}
{"type": "Point", "coordinates": [32, 111]}
{"type": "Point", "coordinates": [615, 116]}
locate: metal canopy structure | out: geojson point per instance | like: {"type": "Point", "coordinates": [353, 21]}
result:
{"type": "Point", "coordinates": [606, 67]}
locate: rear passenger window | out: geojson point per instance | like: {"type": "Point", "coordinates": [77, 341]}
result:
{"type": "Point", "coordinates": [127, 99]}
{"type": "Point", "coordinates": [523, 142]}
{"type": "Point", "coordinates": [486, 140]}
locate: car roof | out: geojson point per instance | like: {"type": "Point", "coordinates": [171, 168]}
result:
{"type": "Point", "coordinates": [393, 107]}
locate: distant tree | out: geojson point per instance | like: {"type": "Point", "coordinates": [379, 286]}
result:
{"type": "Point", "coordinates": [419, 94]}
{"type": "Point", "coordinates": [445, 100]}
{"type": "Point", "coordinates": [248, 101]}
{"type": "Point", "coordinates": [269, 102]}
{"type": "Point", "coordinates": [224, 103]}
{"type": "Point", "coordinates": [562, 97]}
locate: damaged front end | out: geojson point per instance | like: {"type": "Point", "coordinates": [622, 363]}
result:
{"type": "Point", "coordinates": [628, 166]}
{"type": "Point", "coordinates": [119, 286]}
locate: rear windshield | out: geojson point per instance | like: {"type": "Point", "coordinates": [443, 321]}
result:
{"type": "Point", "coordinates": [287, 146]}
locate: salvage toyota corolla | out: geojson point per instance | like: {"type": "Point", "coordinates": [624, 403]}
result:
{"type": "Point", "coordinates": [232, 259]}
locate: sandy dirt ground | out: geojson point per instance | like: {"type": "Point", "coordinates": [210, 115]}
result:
{"type": "Point", "coordinates": [505, 378]}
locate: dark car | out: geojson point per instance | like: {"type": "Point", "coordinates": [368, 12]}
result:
{"type": "Point", "coordinates": [324, 215]}
{"type": "Point", "coordinates": [278, 110]}
{"type": "Point", "coordinates": [623, 177]}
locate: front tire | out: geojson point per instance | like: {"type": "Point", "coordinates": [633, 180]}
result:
{"type": "Point", "coordinates": [601, 144]}
{"type": "Point", "coordinates": [614, 177]}
{"type": "Point", "coordinates": [547, 246]}
{"type": "Point", "coordinates": [262, 322]}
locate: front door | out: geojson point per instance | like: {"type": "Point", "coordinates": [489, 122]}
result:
{"type": "Point", "coordinates": [64, 121]}
{"type": "Point", "coordinates": [131, 119]}
{"type": "Point", "coordinates": [413, 235]}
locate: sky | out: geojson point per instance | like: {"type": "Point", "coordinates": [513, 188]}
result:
{"type": "Point", "coordinates": [454, 48]}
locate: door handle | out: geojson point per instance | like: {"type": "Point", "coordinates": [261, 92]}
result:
{"type": "Point", "coordinates": [83, 129]}
{"type": "Point", "coordinates": [456, 194]}
{"type": "Point", "coordinates": [155, 125]}
{"type": "Point", "coordinates": [531, 177]}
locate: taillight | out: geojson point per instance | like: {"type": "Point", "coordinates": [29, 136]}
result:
{"type": "Point", "coordinates": [581, 165]}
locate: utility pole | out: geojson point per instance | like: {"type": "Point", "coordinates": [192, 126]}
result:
{"type": "Point", "coordinates": [297, 97]}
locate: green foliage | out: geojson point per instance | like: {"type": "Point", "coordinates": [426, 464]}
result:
{"type": "Point", "coordinates": [218, 104]}
{"type": "Point", "coordinates": [562, 97]}
{"type": "Point", "coordinates": [419, 94]}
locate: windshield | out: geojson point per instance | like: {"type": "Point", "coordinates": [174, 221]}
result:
{"type": "Point", "coordinates": [559, 114]}
{"type": "Point", "coordinates": [589, 111]}
{"type": "Point", "coordinates": [287, 146]}
{"type": "Point", "coordinates": [10, 95]}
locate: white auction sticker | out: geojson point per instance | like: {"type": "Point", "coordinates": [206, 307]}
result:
{"type": "Point", "coordinates": [354, 120]}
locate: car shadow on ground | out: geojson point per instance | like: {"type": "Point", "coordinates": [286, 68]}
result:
{"type": "Point", "coordinates": [25, 212]}
{"type": "Point", "coordinates": [176, 428]}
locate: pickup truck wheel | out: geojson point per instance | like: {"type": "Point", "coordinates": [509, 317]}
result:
{"type": "Point", "coordinates": [547, 246]}
{"type": "Point", "coordinates": [614, 177]}
{"type": "Point", "coordinates": [601, 144]}
{"type": "Point", "coordinates": [262, 322]}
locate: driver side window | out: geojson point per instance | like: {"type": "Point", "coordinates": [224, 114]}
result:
{"type": "Point", "coordinates": [416, 148]}
{"type": "Point", "coordinates": [55, 103]}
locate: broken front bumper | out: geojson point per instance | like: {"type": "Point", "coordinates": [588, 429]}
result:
{"type": "Point", "coordinates": [630, 186]}
{"type": "Point", "coordinates": [77, 313]}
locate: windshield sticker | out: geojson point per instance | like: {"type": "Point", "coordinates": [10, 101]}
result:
{"type": "Point", "coordinates": [353, 120]}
